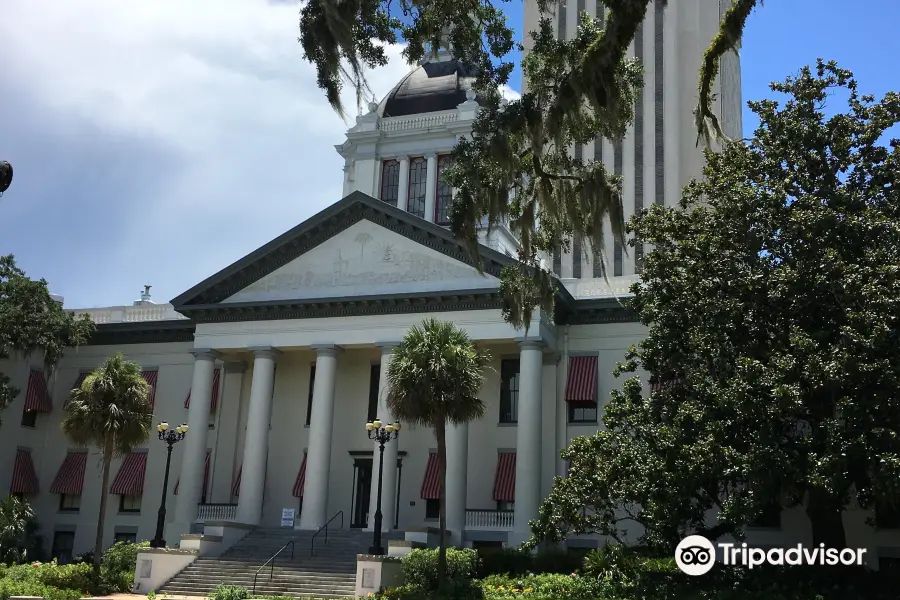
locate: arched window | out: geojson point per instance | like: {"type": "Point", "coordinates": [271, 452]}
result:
{"type": "Point", "coordinates": [444, 193]}
{"type": "Point", "coordinates": [390, 181]}
{"type": "Point", "coordinates": [418, 176]}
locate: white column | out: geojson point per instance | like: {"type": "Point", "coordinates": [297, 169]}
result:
{"type": "Point", "coordinates": [430, 186]}
{"type": "Point", "coordinates": [193, 447]}
{"type": "Point", "coordinates": [256, 441]}
{"type": "Point", "coordinates": [402, 192]}
{"type": "Point", "coordinates": [457, 477]}
{"type": "Point", "coordinates": [528, 440]}
{"type": "Point", "coordinates": [389, 481]}
{"type": "Point", "coordinates": [318, 456]}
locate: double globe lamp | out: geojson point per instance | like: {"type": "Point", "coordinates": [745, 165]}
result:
{"type": "Point", "coordinates": [381, 433]}
{"type": "Point", "coordinates": [170, 437]}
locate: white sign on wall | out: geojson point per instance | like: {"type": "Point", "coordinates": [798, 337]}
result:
{"type": "Point", "coordinates": [287, 517]}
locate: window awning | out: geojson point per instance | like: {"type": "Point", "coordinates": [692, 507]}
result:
{"type": "Point", "coordinates": [431, 483]}
{"type": "Point", "coordinates": [151, 378]}
{"type": "Point", "coordinates": [205, 477]}
{"type": "Point", "coordinates": [657, 384]}
{"type": "Point", "coordinates": [214, 401]}
{"type": "Point", "coordinates": [236, 486]}
{"type": "Point", "coordinates": [24, 479]}
{"type": "Point", "coordinates": [129, 480]}
{"type": "Point", "coordinates": [37, 398]}
{"type": "Point", "coordinates": [581, 382]}
{"type": "Point", "coordinates": [80, 379]}
{"type": "Point", "coordinates": [69, 479]}
{"type": "Point", "coordinates": [301, 479]}
{"type": "Point", "coordinates": [505, 478]}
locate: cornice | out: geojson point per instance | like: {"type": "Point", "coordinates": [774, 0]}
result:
{"type": "Point", "coordinates": [449, 301]}
{"type": "Point", "coordinates": [146, 332]}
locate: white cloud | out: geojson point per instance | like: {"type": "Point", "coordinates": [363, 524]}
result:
{"type": "Point", "coordinates": [509, 93]}
{"type": "Point", "coordinates": [214, 92]}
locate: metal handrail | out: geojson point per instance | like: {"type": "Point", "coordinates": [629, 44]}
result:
{"type": "Point", "coordinates": [312, 542]}
{"type": "Point", "coordinates": [271, 563]}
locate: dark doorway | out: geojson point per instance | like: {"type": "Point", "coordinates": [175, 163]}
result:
{"type": "Point", "coordinates": [362, 487]}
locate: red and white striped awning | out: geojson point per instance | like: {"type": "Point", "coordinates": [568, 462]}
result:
{"type": "Point", "coordinates": [80, 379]}
{"type": "Point", "coordinates": [77, 385]}
{"type": "Point", "coordinates": [657, 385]}
{"type": "Point", "coordinates": [214, 401]}
{"type": "Point", "coordinates": [205, 476]}
{"type": "Point", "coordinates": [24, 479]}
{"type": "Point", "coordinates": [581, 383]}
{"type": "Point", "coordinates": [129, 480]}
{"type": "Point", "coordinates": [431, 483]}
{"type": "Point", "coordinates": [505, 477]}
{"type": "Point", "coordinates": [236, 486]}
{"type": "Point", "coordinates": [69, 479]}
{"type": "Point", "coordinates": [301, 479]}
{"type": "Point", "coordinates": [37, 398]}
{"type": "Point", "coordinates": [151, 378]}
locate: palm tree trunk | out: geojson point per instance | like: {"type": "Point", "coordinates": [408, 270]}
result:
{"type": "Point", "coordinates": [440, 434]}
{"type": "Point", "coordinates": [104, 494]}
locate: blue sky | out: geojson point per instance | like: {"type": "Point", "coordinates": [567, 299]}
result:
{"type": "Point", "coordinates": [157, 141]}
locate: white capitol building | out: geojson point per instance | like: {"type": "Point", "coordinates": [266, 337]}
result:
{"type": "Point", "coordinates": [277, 361]}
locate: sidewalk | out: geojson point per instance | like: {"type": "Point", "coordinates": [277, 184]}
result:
{"type": "Point", "coordinates": [143, 597]}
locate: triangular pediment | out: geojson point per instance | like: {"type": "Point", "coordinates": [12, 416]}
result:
{"type": "Point", "coordinates": [366, 259]}
{"type": "Point", "coordinates": [357, 249]}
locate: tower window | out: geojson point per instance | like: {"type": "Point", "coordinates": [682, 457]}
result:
{"type": "Point", "coordinates": [418, 176]}
{"type": "Point", "coordinates": [390, 181]}
{"type": "Point", "coordinates": [444, 198]}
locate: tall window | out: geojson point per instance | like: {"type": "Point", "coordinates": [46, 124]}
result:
{"type": "Point", "coordinates": [63, 542]}
{"type": "Point", "coordinates": [129, 504]}
{"type": "Point", "coordinates": [390, 181]}
{"type": "Point", "coordinates": [312, 385]}
{"type": "Point", "coordinates": [444, 198]}
{"type": "Point", "coordinates": [374, 380]}
{"type": "Point", "coordinates": [418, 177]}
{"type": "Point", "coordinates": [509, 391]}
{"type": "Point", "coordinates": [125, 537]}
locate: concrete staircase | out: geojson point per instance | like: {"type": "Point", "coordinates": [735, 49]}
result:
{"type": "Point", "coordinates": [329, 573]}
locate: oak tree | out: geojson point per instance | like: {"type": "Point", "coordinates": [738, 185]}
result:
{"type": "Point", "coordinates": [31, 321]}
{"type": "Point", "coordinates": [516, 165]}
{"type": "Point", "coordinates": [770, 298]}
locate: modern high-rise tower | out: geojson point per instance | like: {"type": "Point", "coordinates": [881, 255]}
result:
{"type": "Point", "coordinates": [659, 154]}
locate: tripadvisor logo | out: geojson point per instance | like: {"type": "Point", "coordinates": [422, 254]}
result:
{"type": "Point", "coordinates": [696, 555]}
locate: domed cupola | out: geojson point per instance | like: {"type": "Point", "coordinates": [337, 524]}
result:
{"type": "Point", "coordinates": [438, 84]}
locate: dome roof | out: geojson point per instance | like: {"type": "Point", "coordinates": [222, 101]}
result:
{"type": "Point", "coordinates": [433, 86]}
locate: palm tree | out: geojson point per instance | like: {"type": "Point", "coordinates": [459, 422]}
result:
{"type": "Point", "coordinates": [111, 411]}
{"type": "Point", "coordinates": [434, 378]}
{"type": "Point", "coordinates": [20, 538]}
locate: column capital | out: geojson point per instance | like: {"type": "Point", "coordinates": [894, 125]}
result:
{"type": "Point", "coordinates": [235, 366]}
{"type": "Point", "coordinates": [431, 156]}
{"type": "Point", "coordinates": [525, 343]}
{"type": "Point", "coordinates": [265, 352]}
{"type": "Point", "coordinates": [387, 347]}
{"type": "Point", "coordinates": [403, 157]}
{"type": "Point", "coordinates": [205, 354]}
{"type": "Point", "coordinates": [326, 349]}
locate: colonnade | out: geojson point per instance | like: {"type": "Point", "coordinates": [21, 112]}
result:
{"type": "Point", "coordinates": [318, 465]}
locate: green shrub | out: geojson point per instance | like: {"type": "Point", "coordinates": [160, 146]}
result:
{"type": "Point", "coordinates": [420, 567]}
{"type": "Point", "coordinates": [515, 562]}
{"type": "Point", "coordinates": [48, 580]}
{"type": "Point", "coordinates": [230, 592]}
{"type": "Point", "coordinates": [454, 590]}
{"type": "Point", "coordinates": [117, 566]}
{"type": "Point", "coordinates": [548, 586]}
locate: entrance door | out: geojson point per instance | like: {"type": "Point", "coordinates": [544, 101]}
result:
{"type": "Point", "coordinates": [361, 492]}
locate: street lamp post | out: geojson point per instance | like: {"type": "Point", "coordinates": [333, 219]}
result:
{"type": "Point", "coordinates": [6, 173]}
{"type": "Point", "coordinates": [382, 434]}
{"type": "Point", "coordinates": [170, 437]}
